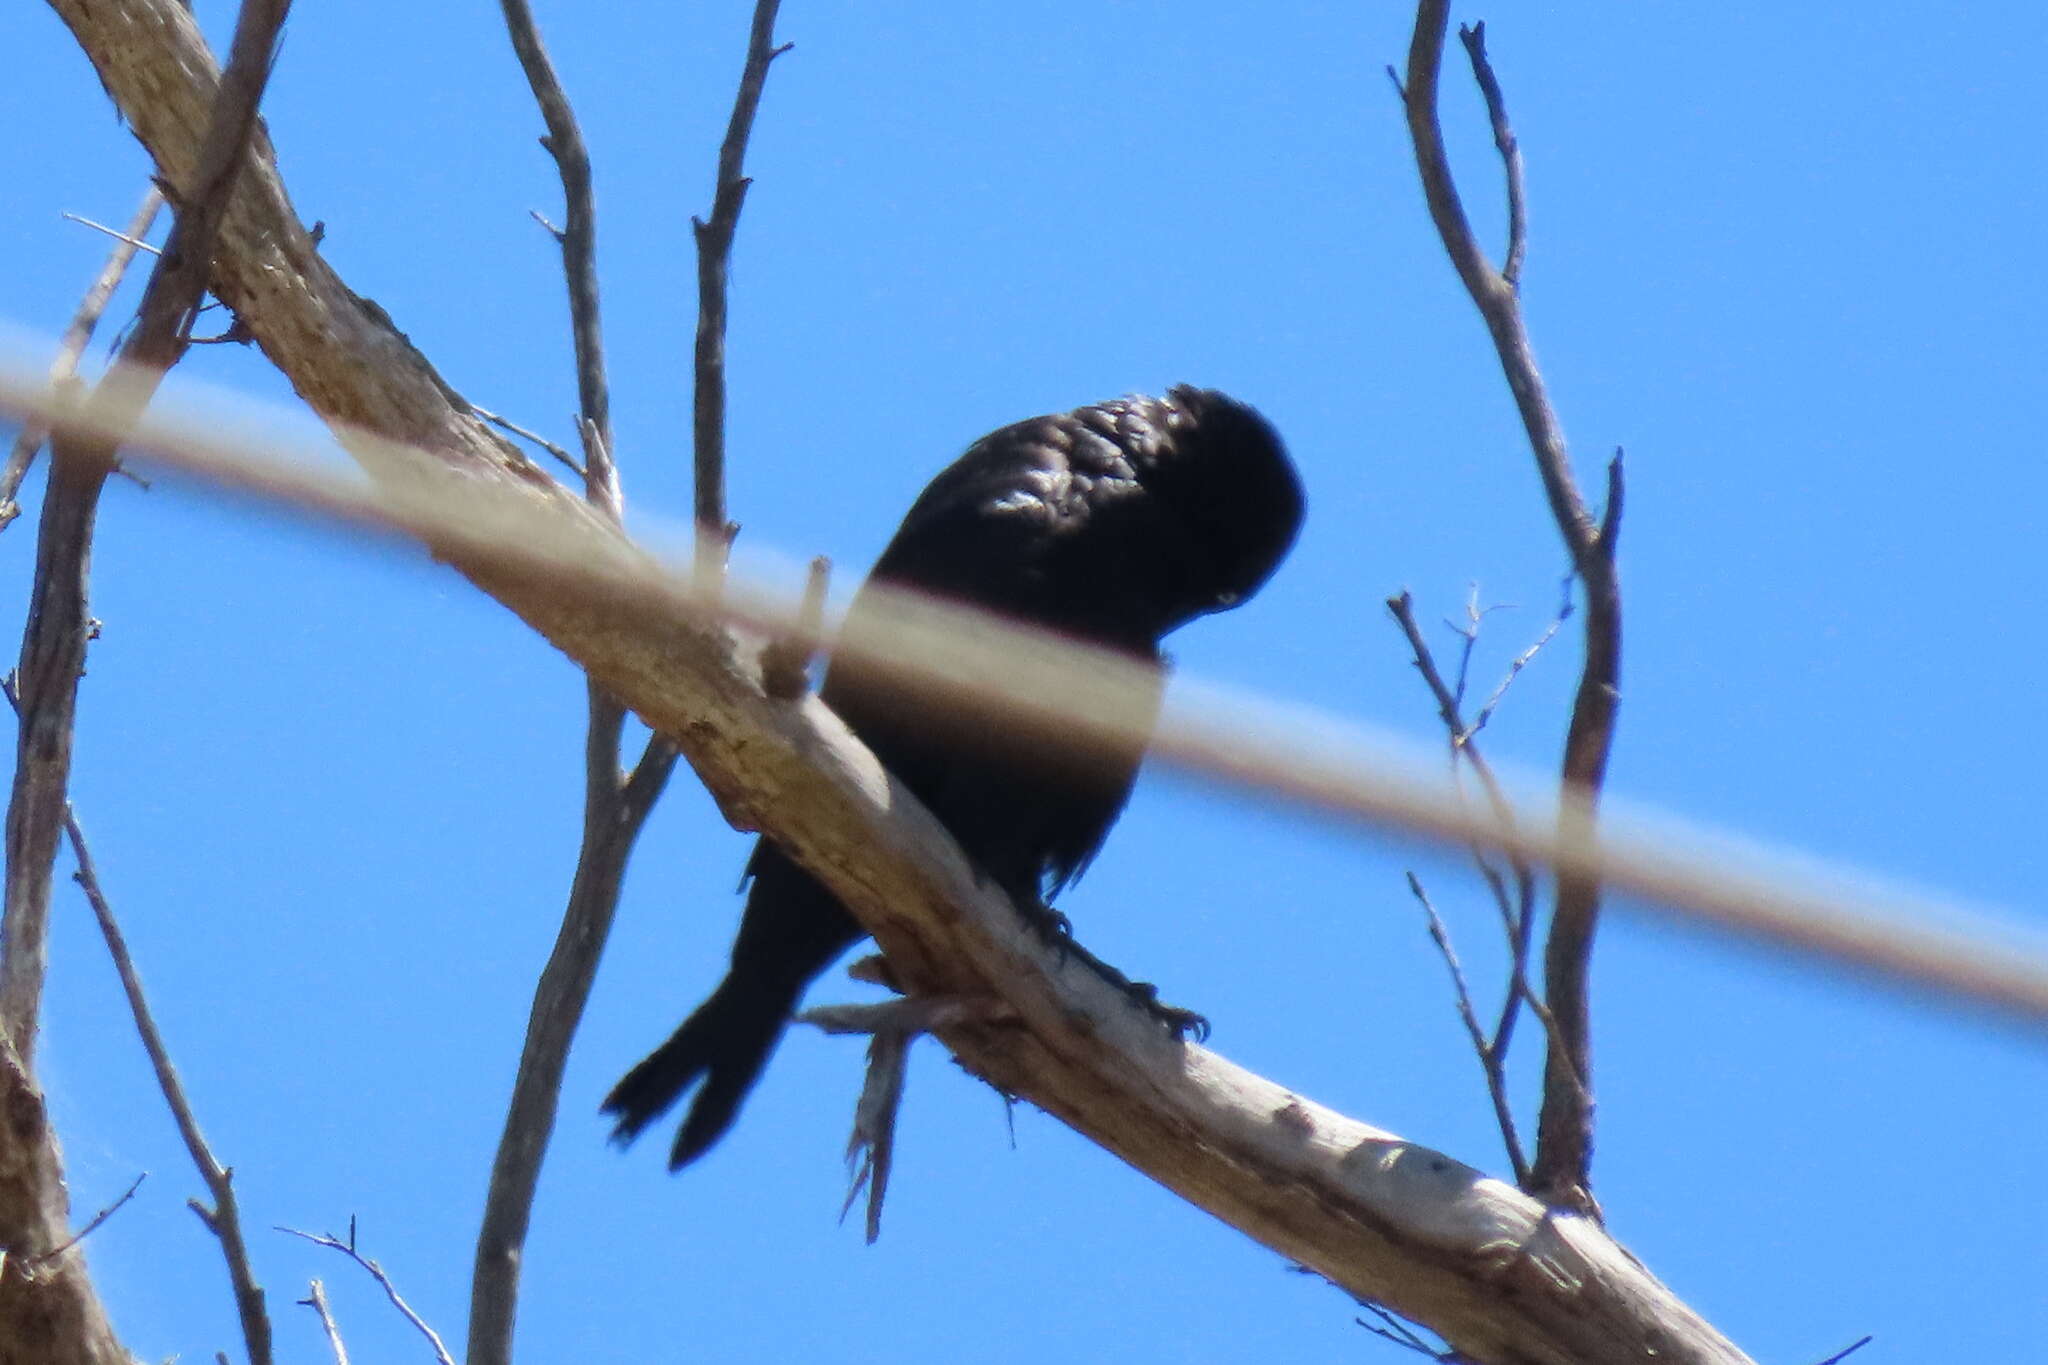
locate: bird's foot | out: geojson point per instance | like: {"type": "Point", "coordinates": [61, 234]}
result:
{"type": "Point", "coordinates": [1183, 1024]}
{"type": "Point", "coordinates": [1050, 925]}
{"type": "Point", "coordinates": [1057, 932]}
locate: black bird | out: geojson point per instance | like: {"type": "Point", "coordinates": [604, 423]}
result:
{"type": "Point", "coordinates": [1113, 524]}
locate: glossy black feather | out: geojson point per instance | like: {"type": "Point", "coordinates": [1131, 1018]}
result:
{"type": "Point", "coordinates": [1113, 524]}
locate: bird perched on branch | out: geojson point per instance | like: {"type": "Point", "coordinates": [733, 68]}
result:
{"type": "Point", "coordinates": [1112, 524]}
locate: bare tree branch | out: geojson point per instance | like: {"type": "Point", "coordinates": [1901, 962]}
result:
{"type": "Point", "coordinates": [93, 1224]}
{"type": "Point", "coordinates": [1416, 1230]}
{"type": "Point", "coordinates": [53, 647]}
{"type": "Point", "coordinates": [132, 238]}
{"type": "Point", "coordinates": [1492, 1057]}
{"type": "Point", "coordinates": [1503, 1274]}
{"type": "Point", "coordinates": [786, 661]}
{"type": "Point", "coordinates": [384, 1282]}
{"type": "Point", "coordinates": [795, 767]}
{"type": "Point", "coordinates": [1474, 39]}
{"type": "Point", "coordinates": [224, 1219]}
{"type": "Point", "coordinates": [615, 807]}
{"type": "Point", "coordinates": [1517, 909]}
{"type": "Point", "coordinates": [714, 260]}
{"type": "Point", "coordinates": [52, 660]}
{"type": "Point", "coordinates": [1401, 1334]}
{"type": "Point", "coordinates": [891, 1027]}
{"type": "Point", "coordinates": [1564, 1143]}
{"type": "Point", "coordinates": [343, 354]}
{"type": "Point", "coordinates": [578, 233]}
{"type": "Point", "coordinates": [316, 1299]}
{"type": "Point", "coordinates": [568, 461]}
{"type": "Point", "coordinates": [1517, 664]}
{"type": "Point", "coordinates": [65, 367]}
{"type": "Point", "coordinates": [614, 813]}
{"type": "Point", "coordinates": [1490, 292]}
{"type": "Point", "coordinates": [1851, 1349]}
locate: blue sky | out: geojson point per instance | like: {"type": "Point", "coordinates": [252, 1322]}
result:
{"type": "Point", "coordinates": [1789, 261]}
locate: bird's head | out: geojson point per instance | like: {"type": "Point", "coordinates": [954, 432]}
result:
{"type": "Point", "coordinates": [1219, 473]}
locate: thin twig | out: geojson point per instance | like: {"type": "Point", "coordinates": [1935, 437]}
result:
{"type": "Point", "coordinates": [1565, 1129]}
{"type": "Point", "coordinates": [316, 1300]}
{"type": "Point", "coordinates": [236, 333]}
{"type": "Point", "coordinates": [1515, 667]}
{"type": "Point", "coordinates": [64, 368]}
{"type": "Point", "coordinates": [871, 1146]}
{"type": "Point", "coordinates": [1399, 1332]}
{"type": "Point", "coordinates": [714, 260]}
{"type": "Point", "coordinates": [1851, 1349]}
{"type": "Point", "coordinates": [1474, 39]}
{"type": "Point", "coordinates": [574, 465]}
{"type": "Point", "coordinates": [223, 1220]}
{"type": "Point", "coordinates": [1518, 913]}
{"type": "Point", "coordinates": [1402, 607]}
{"type": "Point", "coordinates": [578, 233]}
{"type": "Point", "coordinates": [132, 238]}
{"type": "Point", "coordinates": [786, 661]}
{"type": "Point", "coordinates": [102, 1216]}
{"type": "Point", "coordinates": [615, 807]}
{"type": "Point", "coordinates": [1517, 910]}
{"type": "Point", "coordinates": [348, 1249]}
{"type": "Point", "coordinates": [1468, 635]}
{"type": "Point", "coordinates": [1491, 1060]}
{"type": "Point", "coordinates": [891, 1027]}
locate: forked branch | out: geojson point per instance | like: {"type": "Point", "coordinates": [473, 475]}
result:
{"type": "Point", "coordinates": [1564, 1143]}
{"type": "Point", "coordinates": [615, 805]}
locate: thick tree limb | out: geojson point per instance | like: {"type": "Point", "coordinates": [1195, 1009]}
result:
{"type": "Point", "coordinates": [1502, 1278]}
{"type": "Point", "coordinates": [340, 350]}
{"type": "Point", "coordinates": [1484, 1265]}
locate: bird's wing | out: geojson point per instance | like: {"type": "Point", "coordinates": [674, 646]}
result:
{"type": "Point", "coordinates": [1015, 526]}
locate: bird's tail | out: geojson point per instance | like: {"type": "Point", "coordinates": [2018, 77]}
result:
{"type": "Point", "coordinates": [791, 931]}
{"type": "Point", "coordinates": [725, 1043]}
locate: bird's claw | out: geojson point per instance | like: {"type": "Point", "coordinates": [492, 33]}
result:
{"type": "Point", "coordinates": [1053, 927]}
{"type": "Point", "coordinates": [1057, 932]}
{"type": "Point", "coordinates": [1183, 1024]}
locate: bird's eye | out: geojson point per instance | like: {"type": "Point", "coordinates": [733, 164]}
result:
{"type": "Point", "coordinates": [1227, 599]}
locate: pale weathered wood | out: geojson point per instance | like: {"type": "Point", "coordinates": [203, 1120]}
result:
{"type": "Point", "coordinates": [1501, 1279]}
